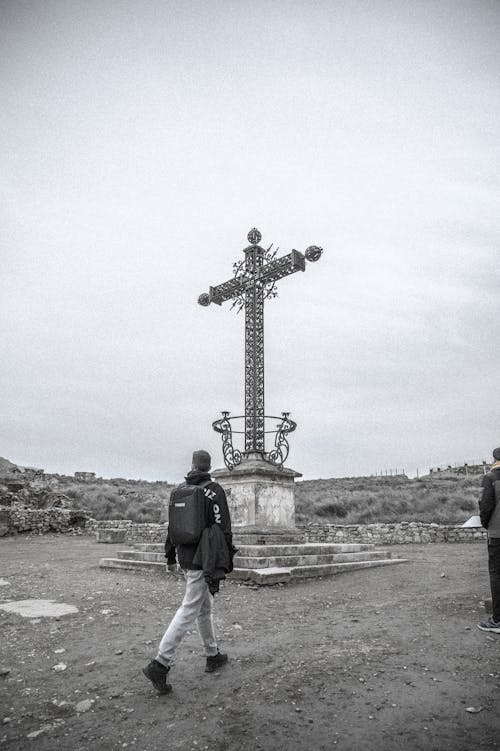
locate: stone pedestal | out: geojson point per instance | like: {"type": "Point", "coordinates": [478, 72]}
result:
{"type": "Point", "coordinates": [259, 494]}
{"type": "Point", "coordinates": [111, 535]}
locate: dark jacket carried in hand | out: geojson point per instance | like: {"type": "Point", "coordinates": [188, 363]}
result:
{"type": "Point", "coordinates": [217, 513]}
{"type": "Point", "coordinates": [489, 505]}
{"type": "Point", "coordinates": [213, 556]}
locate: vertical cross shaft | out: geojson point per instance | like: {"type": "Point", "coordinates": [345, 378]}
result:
{"type": "Point", "coordinates": [254, 353]}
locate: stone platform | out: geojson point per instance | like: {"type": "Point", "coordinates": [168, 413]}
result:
{"type": "Point", "coordinates": [268, 558]}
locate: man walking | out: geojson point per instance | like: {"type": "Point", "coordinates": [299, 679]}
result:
{"type": "Point", "coordinates": [489, 512]}
{"type": "Point", "coordinates": [198, 600]}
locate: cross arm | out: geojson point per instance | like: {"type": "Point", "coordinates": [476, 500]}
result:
{"type": "Point", "coordinates": [222, 292]}
{"type": "Point", "coordinates": [289, 264]}
{"type": "Point", "coordinates": [281, 267]}
{"type": "Point", "coordinates": [268, 274]}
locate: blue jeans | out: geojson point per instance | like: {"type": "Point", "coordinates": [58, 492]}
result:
{"type": "Point", "coordinates": [494, 569]}
{"type": "Point", "coordinates": [196, 607]}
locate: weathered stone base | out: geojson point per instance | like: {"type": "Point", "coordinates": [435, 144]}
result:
{"type": "Point", "coordinates": [268, 564]}
{"type": "Point", "coordinates": [259, 494]}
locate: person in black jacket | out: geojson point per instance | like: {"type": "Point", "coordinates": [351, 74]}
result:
{"type": "Point", "coordinates": [198, 599]}
{"type": "Point", "coordinates": [489, 512]}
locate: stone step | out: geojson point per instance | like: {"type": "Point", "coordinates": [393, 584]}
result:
{"type": "Point", "coordinates": [260, 556]}
{"type": "Point", "coordinates": [131, 565]}
{"type": "Point", "coordinates": [292, 561]}
{"type": "Point", "coordinates": [309, 548]}
{"type": "Point", "coordinates": [304, 572]}
{"type": "Point", "coordinates": [267, 538]}
{"type": "Point", "coordinates": [141, 555]}
{"type": "Point", "coordinates": [149, 547]}
{"type": "Point", "coordinates": [262, 576]}
{"type": "Point", "coordinates": [282, 575]}
{"type": "Point", "coordinates": [247, 549]}
{"type": "Point", "coordinates": [265, 561]}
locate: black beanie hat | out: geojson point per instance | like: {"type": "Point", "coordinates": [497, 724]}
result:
{"type": "Point", "coordinates": [496, 454]}
{"type": "Point", "coordinates": [202, 460]}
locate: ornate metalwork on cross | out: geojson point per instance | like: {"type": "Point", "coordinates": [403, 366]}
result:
{"type": "Point", "coordinates": [254, 281]}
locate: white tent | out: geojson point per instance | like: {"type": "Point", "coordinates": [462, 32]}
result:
{"type": "Point", "coordinates": [474, 521]}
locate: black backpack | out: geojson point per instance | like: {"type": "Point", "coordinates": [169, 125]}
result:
{"type": "Point", "coordinates": [187, 514]}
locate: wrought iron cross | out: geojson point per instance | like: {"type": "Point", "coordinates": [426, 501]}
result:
{"type": "Point", "coordinates": [254, 281]}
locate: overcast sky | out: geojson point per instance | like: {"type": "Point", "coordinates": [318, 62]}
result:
{"type": "Point", "coordinates": [140, 143]}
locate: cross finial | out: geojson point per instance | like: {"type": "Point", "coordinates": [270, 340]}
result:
{"type": "Point", "coordinates": [254, 237]}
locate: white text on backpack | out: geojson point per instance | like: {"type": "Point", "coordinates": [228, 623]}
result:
{"type": "Point", "coordinates": [211, 494]}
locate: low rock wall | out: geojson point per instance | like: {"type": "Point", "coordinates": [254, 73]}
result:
{"type": "Point", "coordinates": [19, 518]}
{"type": "Point", "coordinates": [381, 533]}
{"type": "Point", "coordinates": [398, 533]}
{"type": "Point", "coordinates": [134, 532]}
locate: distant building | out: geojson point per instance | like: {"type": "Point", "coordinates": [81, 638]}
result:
{"type": "Point", "coordinates": [84, 475]}
{"type": "Point", "coordinates": [33, 473]}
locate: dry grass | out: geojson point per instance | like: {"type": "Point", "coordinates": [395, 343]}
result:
{"type": "Point", "coordinates": [364, 500]}
{"type": "Point", "coordinates": [143, 502]}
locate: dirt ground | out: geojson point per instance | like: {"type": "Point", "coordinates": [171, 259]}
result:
{"type": "Point", "coordinates": [387, 658]}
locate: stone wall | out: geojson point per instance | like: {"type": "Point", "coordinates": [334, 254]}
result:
{"type": "Point", "coordinates": [134, 532]}
{"type": "Point", "coordinates": [392, 534]}
{"type": "Point", "coordinates": [381, 534]}
{"type": "Point", "coordinates": [20, 518]}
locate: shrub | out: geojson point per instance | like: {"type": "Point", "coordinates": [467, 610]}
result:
{"type": "Point", "coordinates": [332, 508]}
{"type": "Point", "coordinates": [147, 511]}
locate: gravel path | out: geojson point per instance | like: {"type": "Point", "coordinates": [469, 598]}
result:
{"type": "Point", "coordinates": [387, 658]}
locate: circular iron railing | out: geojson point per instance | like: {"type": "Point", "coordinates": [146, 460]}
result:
{"type": "Point", "coordinates": [277, 455]}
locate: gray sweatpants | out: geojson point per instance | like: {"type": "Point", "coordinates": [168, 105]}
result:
{"type": "Point", "coordinates": [196, 607]}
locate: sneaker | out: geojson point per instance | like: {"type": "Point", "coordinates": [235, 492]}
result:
{"type": "Point", "coordinates": [215, 662]}
{"type": "Point", "coordinates": [157, 674]}
{"type": "Point", "coordinates": [490, 625]}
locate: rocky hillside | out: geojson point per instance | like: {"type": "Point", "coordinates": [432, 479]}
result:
{"type": "Point", "coordinates": [115, 498]}
{"type": "Point", "coordinates": [6, 467]}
